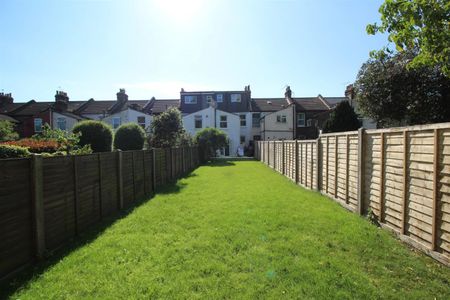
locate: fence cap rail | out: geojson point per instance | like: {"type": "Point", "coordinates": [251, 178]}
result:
{"type": "Point", "coordinates": [340, 133]}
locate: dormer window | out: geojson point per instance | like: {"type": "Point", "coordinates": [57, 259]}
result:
{"type": "Point", "coordinates": [209, 99]}
{"type": "Point", "coordinates": [190, 99]}
{"type": "Point", "coordinates": [219, 97]}
{"type": "Point", "coordinates": [235, 97]}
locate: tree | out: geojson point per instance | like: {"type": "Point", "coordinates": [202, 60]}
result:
{"type": "Point", "coordinates": [129, 136]}
{"type": "Point", "coordinates": [421, 25]}
{"type": "Point", "coordinates": [7, 132]}
{"type": "Point", "coordinates": [392, 94]}
{"type": "Point", "coordinates": [166, 129]}
{"type": "Point", "coordinates": [95, 133]}
{"type": "Point", "coordinates": [342, 118]}
{"type": "Point", "coordinates": [209, 140]}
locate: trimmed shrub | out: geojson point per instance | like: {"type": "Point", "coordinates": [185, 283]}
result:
{"type": "Point", "coordinates": [11, 151]}
{"type": "Point", "coordinates": [95, 133]}
{"type": "Point", "coordinates": [209, 140]}
{"type": "Point", "coordinates": [129, 136]}
{"type": "Point", "coordinates": [36, 146]}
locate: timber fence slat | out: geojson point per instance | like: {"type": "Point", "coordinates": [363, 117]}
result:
{"type": "Point", "coordinates": [402, 175]}
{"type": "Point", "coordinates": [46, 201]}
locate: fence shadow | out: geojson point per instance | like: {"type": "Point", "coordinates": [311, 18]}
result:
{"type": "Point", "coordinates": [22, 278]}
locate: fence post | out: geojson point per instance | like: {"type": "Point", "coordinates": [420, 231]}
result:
{"type": "Point", "coordinates": [361, 170]}
{"type": "Point", "coordinates": [347, 155]}
{"type": "Point", "coordinates": [120, 178]}
{"type": "Point", "coordinates": [327, 166]}
{"type": "Point", "coordinates": [405, 180]}
{"type": "Point", "coordinates": [99, 159]}
{"type": "Point", "coordinates": [296, 162]}
{"type": "Point", "coordinates": [336, 159]}
{"type": "Point", "coordinates": [318, 163]}
{"type": "Point", "coordinates": [435, 190]}
{"type": "Point", "coordinates": [382, 175]}
{"type": "Point", "coordinates": [274, 155]}
{"type": "Point", "coordinates": [38, 204]}
{"type": "Point", "coordinates": [282, 158]}
{"type": "Point", "coordinates": [153, 170]}
{"type": "Point", "coordinates": [76, 196]}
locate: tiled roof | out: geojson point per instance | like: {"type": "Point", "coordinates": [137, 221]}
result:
{"type": "Point", "coordinates": [268, 104]}
{"type": "Point", "coordinates": [159, 106]}
{"type": "Point", "coordinates": [11, 107]}
{"type": "Point", "coordinates": [333, 101]}
{"type": "Point", "coordinates": [30, 108]}
{"type": "Point", "coordinates": [7, 118]}
{"type": "Point", "coordinates": [310, 104]}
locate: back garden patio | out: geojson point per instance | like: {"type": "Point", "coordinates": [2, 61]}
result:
{"type": "Point", "coordinates": [236, 229]}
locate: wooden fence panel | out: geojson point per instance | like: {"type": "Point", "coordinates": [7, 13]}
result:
{"type": "Point", "coordinates": [148, 176]}
{"type": "Point", "coordinates": [108, 183]}
{"type": "Point", "coordinates": [372, 172]}
{"type": "Point", "coordinates": [443, 231]}
{"type": "Point", "coordinates": [139, 176]}
{"type": "Point", "coordinates": [88, 191]}
{"type": "Point", "coordinates": [128, 178]}
{"type": "Point", "coordinates": [59, 200]}
{"type": "Point", "coordinates": [353, 172]}
{"type": "Point", "coordinates": [16, 247]}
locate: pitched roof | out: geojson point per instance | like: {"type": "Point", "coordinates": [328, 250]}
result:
{"type": "Point", "coordinates": [333, 101]}
{"type": "Point", "coordinates": [161, 105]}
{"type": "Point", "coordinates": [7, 118]}
{"type": "Point", "coordinates": [311, 104]}
{"type": "Point", "coordinates": [268, 104]}
{"type": "Point", "coordinates": [30, 108]}
{"type": "Point", "coordinates": [10, 107]}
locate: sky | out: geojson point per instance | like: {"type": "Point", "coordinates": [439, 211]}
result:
{"type": "Point", "coordinates": [90, 49]}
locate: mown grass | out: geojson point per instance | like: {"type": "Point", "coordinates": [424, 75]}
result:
{"type": "Point", "coordinates": [239, 230]}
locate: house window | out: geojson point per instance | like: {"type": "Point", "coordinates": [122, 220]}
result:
{"type": "Point", "coordinates": [209, 98]}
{"type": "Point", "coordinates": [61, 123]}
{"type": "Point", "coordinates": [256, 137]}
{"type": "Point", "coordinates": [223, 122]}
{"type": "Point", "coordinates": [37, 125]}
{"type": "Point", "coordinates": [309, 123]}
{"type": "Point", "coordinates": [235, 97]}
{"type": "Point", "coordinates": [115, 122]}
{"type": "Point", "coordinates": [301, 120]}
{"type": "Point", "coordinates": [281, 119]}
{"type": "Point", "coordinates": [141, 121]}
{"type": "Point", "coordinates": [255, 119]}
{"type": "Point", "coordinates": [219, 98]}
{"type": "Point", "coordinates": [243, 120]}
{"type": "Point", "coordinates": [242, 139]}
{"type": "Point", "coordinates": [198, 122]}
{"type": "Point", "coordinates": [190, 99]}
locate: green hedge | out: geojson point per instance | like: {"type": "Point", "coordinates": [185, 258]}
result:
{"type": "Point", "coordinates": [10, 151]}
{"type": "Point", "coordinates": [129, 136]}
{"type": "Point", "coordinates": [96, 134]}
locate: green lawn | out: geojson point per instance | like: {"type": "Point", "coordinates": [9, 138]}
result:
{"type": "Point", "coordinates": [240, 230]}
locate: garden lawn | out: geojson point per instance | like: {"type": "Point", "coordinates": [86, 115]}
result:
{"type": "Point", "coordinates": [240, 230]}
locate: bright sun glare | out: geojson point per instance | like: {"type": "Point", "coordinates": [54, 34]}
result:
{"type": "Point", "coordinates": [180, 10]}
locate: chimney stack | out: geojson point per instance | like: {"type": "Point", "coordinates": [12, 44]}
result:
{"type": "Point", "coordinates": [288, 95]}
{"type": "Point", "coordinates": [61, 101]}
{"type": "Point", "coordinates": [350, 92]}
{"type": "Point", "coordinates": [5, 99]}
{"type": "Point", "coordinates": [122, 97]}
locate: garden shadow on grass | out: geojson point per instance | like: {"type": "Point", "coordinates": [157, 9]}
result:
{"type": "Point", "coordinates": [23, 277]}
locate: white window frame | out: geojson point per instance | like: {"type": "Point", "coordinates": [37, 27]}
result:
{"type": "Point", "coordinates": [209, 99]}
{"type": "Point", "coordinates": [223, 123]}
{"type": "Point", "coordinates": [38, 125]}
{"type": "Point", "coordinates": [236, 98]}
{"type": "Point", "coordinates": [243, 120]}
{"type": "Point", "coordinates": [309, 122]}
{"type": "Point", "coordinates": [301, 122]}
{"type": "Point", "coordinates": [198, 118]}
{"type": "Point", "coordinates": [114, 124]}
{"type": "Point", "coordinates": [254, 125]}
{"type": "Point", "coordinates": [219, 97]}
{"type": "Point", "coordinates": [190, 99]}
{"type": "Point", "coordinates": [140, 123]}
{"type": "Point", "coordinates": [281, 119]}
{"type": "Point", "coordinates": [242, 137]}
{"type": "Point", "coordinates": [61, 120]}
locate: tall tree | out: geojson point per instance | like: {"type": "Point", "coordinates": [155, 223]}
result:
{"type": "Point", "coordinates": [167, 129]}
{"type": "Point", "coordinates": [342, 118]}
{"type": "Point", "coordinates": [422, 25]}
{"type": "Point", "coordinates": [392, 94]}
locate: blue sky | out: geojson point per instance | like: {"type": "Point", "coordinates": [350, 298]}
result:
{"type": "Point", "coordinates": [90, 49]}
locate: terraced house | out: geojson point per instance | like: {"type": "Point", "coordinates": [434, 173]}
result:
{"type": "Point", "coordinates": [243, 118]}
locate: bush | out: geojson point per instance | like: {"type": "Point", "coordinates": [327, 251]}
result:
{"type": "Point", "coordinates": [129, 136]}
{"type": "Point", "coordinates": [7, 132]}
{"type": "Point", "coordinates": [209, 140]}
{"type": "Point", "coordinates": [94, 133]}
{"type": "Point", "coordinates": [11, 151]}
{"type": "Point", "coordinates": [67, 141]}
{"type": "Point", "coordinates": [36, 146]}
{"type": "Point", "coordinates": [343, 118]}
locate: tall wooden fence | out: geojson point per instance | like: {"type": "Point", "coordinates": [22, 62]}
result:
{"type": "Point", "coordinates": [45, 202]}
{"type": "Point", "coordinates": [401, 175]}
